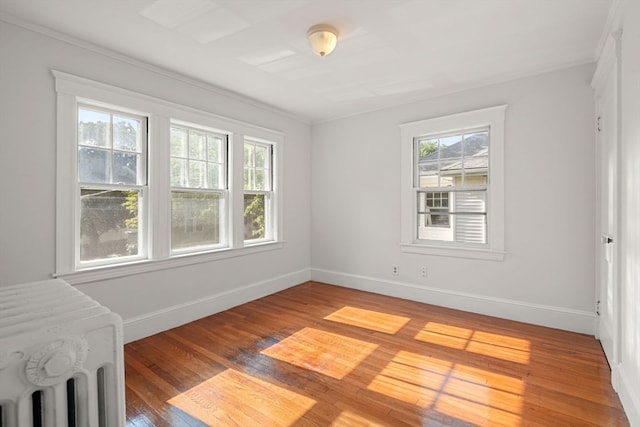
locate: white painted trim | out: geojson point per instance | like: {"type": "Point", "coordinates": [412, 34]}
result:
{"type": "Point", "coordinates": [613, 23]}
{"type": "Point", "coordinates": [629, 396]}
{"type": "Point", "coordinates": [483, 254]}
{"type": "Point", "coordinates": [537, 314]}
{"type": "Point", "coordinates": [139, 327]}
{"type": "Point", "coordinates": [145, 266]}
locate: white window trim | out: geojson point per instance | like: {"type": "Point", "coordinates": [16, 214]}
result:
{"type": "Point", "coordinates": [493, 117]}
{"type": "Point", "coordinates": [72, 90]}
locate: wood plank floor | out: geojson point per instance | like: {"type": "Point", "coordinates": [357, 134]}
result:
{"type": "Point", "coordinates": [320, 355]}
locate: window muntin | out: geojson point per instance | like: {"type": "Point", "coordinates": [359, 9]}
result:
{"type": "Point", "coordinates": [112, 179]}
{"type": "Point", "coordinates": [198, 188]}
{"type": "Point", "coordinates": [457, 162]}
{"type": "Point", "coordinates": [258, 184]}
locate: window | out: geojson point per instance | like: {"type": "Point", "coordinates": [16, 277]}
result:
{"type": "Point", "coordinates": [257, 190]}
{"type": "Point", "coordinates": [198, 188]}
{"type": "Point", "coordinates": [112, 178]}
{"type": "Point", "coordinates": [145, 184]}
{"type": "Point", "coordinates": [453, 185]}
{"type": "Point", "coordinates": [452, 167]}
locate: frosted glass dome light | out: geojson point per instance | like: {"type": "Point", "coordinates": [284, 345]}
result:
{"type": "Point", "coordinates": [322, 39]}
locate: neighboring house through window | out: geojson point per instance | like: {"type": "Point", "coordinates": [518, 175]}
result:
{"type": "Point", "coordinates": [453, 185]}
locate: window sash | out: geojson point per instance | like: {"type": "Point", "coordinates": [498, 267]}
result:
{"type": "Point", "coordinates": [467, 219]}
{"type": "Point", "coordinates": [141, 149]}
{"type": "Point", "coordinates": [142, 229]}
{"type": "Point", "coordinates": [220, 230]}
{"type": "Point", "coordinates": [253, 169]}
{"type": "Point", "coordinates": [109, 242]}
{"type": "Point", "coordinates": [188, 159]}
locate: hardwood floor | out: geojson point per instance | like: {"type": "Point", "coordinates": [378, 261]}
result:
{"type": "Point", "coordinates": [319, 355]}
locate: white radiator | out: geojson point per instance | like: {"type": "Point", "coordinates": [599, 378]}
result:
{"type": "Point", "coordinates": [61, 358]}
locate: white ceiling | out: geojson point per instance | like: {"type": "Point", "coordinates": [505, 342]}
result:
{"type": "Point", "coordinates": [389, 51]}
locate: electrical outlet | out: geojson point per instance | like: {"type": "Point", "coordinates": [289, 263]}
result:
{"type": "Point", "coordinates": [395, 270]}
{"type": "Point", "coordinates": [424, 271]}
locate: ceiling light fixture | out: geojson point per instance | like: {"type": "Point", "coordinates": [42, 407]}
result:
{"type": "Point", "coordinates": [322, 39]}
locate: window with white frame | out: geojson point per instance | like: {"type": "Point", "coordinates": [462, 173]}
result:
{"type": "Point", "coordinates": [141, 179]}
{"type": "Point", "coordinates": [198, 188]}
{"type": "Point", "coordinates": [453, 185]}
{"type": "Point", "coordinates": [112, 147]}
{"type": "Point", "coordinates": [257, 190]}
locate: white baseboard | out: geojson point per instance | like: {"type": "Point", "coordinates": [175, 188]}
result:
{"type": "Point", "coordinates": [148, 324]}
{"type": "Point", "coordinates": [629, 395]}
{"type": "Point", "coordinates": [537, 314]}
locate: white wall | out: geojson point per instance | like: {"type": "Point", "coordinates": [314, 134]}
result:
{"type": "Point", "coordinates": [148, 302]}
{"type": "Point", "coordinates": [629, 368]}
{"type": "Point", "coordinates": [547, 276]}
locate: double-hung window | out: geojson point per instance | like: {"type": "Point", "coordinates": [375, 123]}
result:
{"type": "Point", "coordinates": [453, 185]}
{"type": "Point", "coordinates": [111, 167]}
{"type": "Point", "coordinates": [145, 184]}
{"type": "Point", "coordinates": [198, 188]}
{"type": "Point", "coordinates": [257, 191]}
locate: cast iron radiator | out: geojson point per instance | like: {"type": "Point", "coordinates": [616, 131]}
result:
{"type": "Point", "coordinates": [61, 358]}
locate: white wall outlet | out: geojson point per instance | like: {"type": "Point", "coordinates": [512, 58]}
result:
{"type": "Point", "coordinates": [395, 270]}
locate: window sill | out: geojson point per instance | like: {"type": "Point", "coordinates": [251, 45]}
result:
{"type": "Point", "coordinates": [482, 254]}
{"type": "Point", "coordinates": [137, 267]}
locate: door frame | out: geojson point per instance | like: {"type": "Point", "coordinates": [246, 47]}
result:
{"type": "Point", "coordinates": [608, 67]}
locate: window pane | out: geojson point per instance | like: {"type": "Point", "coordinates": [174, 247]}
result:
{"type": "Point", "coordinates": [178, 173]}
{"type": "Point", "coordinates": [451, 147]}
{"type": "Point", "coordinates": [125, 133]}
{"type": "Point", "coordinates": [125, 168]}
{"type": "Point", "coordinates": [450, 172]}
{"type": "Point", "coordinates": [93, 165]}
{"type": "Point", "coordinates": [249, 159]}
{"type": "Point", "coordinates": [261, 177]}
{"type": "Point", "coordinates": [428, 174]}
{"type": "Point", "coordinates": [254, 216]}
{"type": "Point", "coordinates": [93, 128]}
{"type": "Point", "coordinates": [195, 219]}
{"type": "Point", "coordinates": [108, 224]}
{"type": "Point", "coordinates": [261, 157]}
{"type": "Point", "coordinates": [197, 174]}
{"type": "Point", "coordinates": [249, 179]}
{"type": "Point", "coordinates": [427, 149]}
{"type": "Point", "coordinates": [197, 145]}
{"type": "Point", "coordinates": [214, 176]}
{"type": "Point", "coordinates": [476, 144]}
{"type": "Point", "coordinates": [214, 149]}
{"type": "Point", "coordinates": [178, 142]}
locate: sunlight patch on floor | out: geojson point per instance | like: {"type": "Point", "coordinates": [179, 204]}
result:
{"type": "Point", "coordinates": [235, 398]}
{"type": "Point", "coordinates": [351, 419]}
{"type": "Point", "coordinates": [320, 351]}
{"type": "Point", "coordinates": [369, 319]}
{"type": "Point", "coordinates": [478, 342]}
{"type": "Point", "coordinates": [467, 393]}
